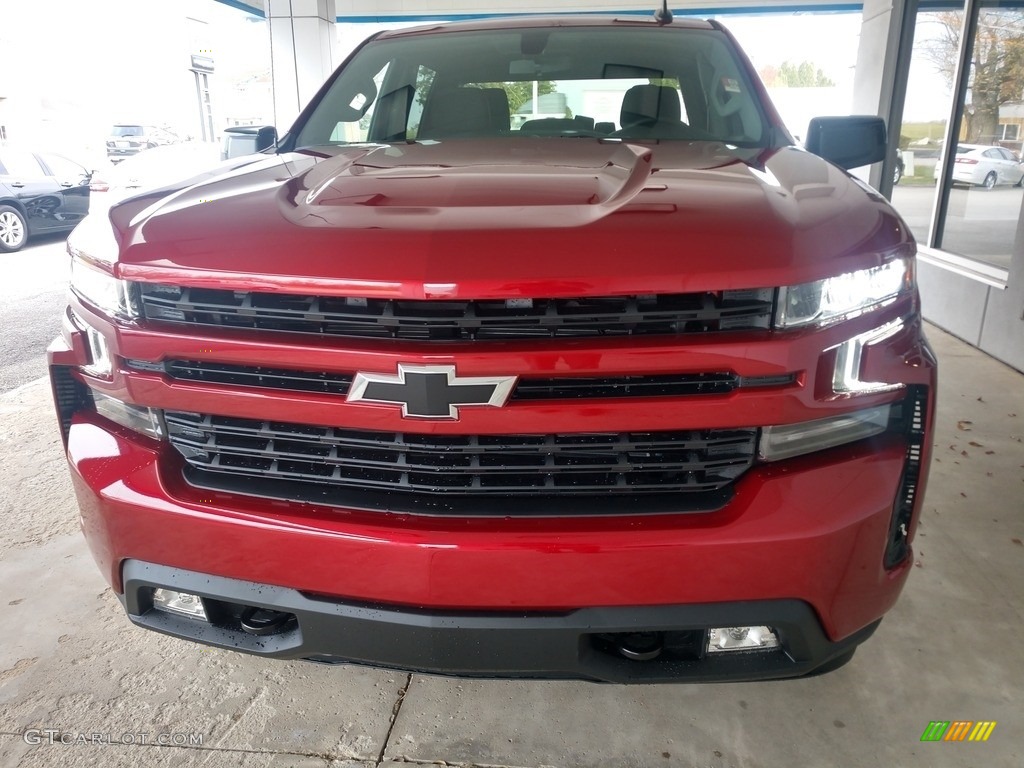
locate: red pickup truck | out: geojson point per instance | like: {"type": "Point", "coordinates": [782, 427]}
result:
{"type": "Point", "coordinates": [447, 382]}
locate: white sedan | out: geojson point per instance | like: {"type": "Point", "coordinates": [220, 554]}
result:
{"type": "Point", "coordinates": [985, 166]}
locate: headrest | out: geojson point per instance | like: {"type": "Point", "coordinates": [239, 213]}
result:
{"type": "Point", "coordinates": [464, 112]}
{"type": "Point", "coordinates": [648, 103]}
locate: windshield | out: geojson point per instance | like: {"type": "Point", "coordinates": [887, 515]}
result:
{"type": "Point", "coordinates": [127, 130]}
{"type": "Point", "coordinates": [650, 83]}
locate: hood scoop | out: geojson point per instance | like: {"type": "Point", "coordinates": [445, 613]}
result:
{"type": "Point", "coordinates": [428, 185]}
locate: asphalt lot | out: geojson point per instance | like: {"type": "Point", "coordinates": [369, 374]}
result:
{"type": "Point", "coordinates": [32, 295]}
{"type": "Point", "coordinates": [980, 223]}
{"type": "Point", "coordinates": [80, 686]}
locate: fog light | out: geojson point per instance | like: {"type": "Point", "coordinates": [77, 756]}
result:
{"type": "Point", "coordinates": [181, 603]}
{"type": "Point", "coordinates": [741, 639]}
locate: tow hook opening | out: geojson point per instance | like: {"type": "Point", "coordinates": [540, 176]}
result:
{"type": "Point", "coordinates": [251, 619]}
{"type": "Point", "coordinates": [264, 621]}
{"type": "Point", "coordinates": [641, 646]}
{"type": "Point", "coordinates": [651, 645]}
{"type": "Point", "coordinates": [687, 645]}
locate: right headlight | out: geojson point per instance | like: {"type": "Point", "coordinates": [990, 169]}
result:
{"type": "Point", "coordinates": [833, 299]}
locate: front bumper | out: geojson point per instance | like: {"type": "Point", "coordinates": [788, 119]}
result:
{"type": "Point", "coordinates": [813, 529]}
{"type": "Point", "coordinates": [123, 151]}
{"type": "Point", "coordinates": [573, 644]}
{"type": "Point", "coordinates": [801, 544]}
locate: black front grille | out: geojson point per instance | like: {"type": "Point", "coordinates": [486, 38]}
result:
{"type": "Point", "coordinates": [673, 385]}
{"type": "Point", "coordinates": [252, 376]}
{"type": "Point", "coordinates": [560, 388]}
{"type": "Point", "coordinates": [302, 461]}
{"type": "Point", "coordinates": [464, 320]}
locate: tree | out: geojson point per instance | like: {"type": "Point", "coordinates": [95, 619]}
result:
{"type": "Point", "coordinates": [521, 92]}
{"type": "Point", "coordinates": [518, 92]}
{"type": "Point", "coordinates": [997, 66]}
{"type": "Point", "coordinates": [789, 75]}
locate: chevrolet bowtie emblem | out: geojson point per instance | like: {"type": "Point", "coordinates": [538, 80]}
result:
{"type": "Point", "coordinates": [430, 391]}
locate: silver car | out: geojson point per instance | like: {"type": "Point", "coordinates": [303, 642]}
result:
{"type": "Point", "coordinates": [985, 166]}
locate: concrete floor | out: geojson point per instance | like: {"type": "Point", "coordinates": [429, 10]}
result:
{"type": "Point", "coordinates": [71, 663]}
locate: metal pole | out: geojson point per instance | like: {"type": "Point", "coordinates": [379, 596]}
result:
{"type": "Point", "coordinates": [960, 83]}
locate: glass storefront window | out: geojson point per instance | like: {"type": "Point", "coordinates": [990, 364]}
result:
{"type": "Point", "coordinates": [926, 109]}
{"type": "Point", "coordinates": [985, 202]}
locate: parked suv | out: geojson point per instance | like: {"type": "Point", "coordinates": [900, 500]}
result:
{"type": "Point", "coordinates": [638, 393]}
{"type": "Point", "coordinates": [125, 140]}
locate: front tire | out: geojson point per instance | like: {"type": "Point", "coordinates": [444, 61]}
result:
{"type": "Point", "coordinates": [990, 180]}
{"type": "Point", "coordinates": [13, 229]}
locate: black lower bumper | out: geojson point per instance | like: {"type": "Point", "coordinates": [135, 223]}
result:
{"type": "Point", "coordinates": [579, 644]}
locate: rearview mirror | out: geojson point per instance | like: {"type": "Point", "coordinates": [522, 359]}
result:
{"type": "Point", "coordinates": [849, 142]}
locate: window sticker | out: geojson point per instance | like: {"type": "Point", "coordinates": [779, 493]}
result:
{"type": "Point", "coordinates": [730, 86]}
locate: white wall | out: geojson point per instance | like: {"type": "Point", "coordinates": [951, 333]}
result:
{"type": "Point", "coordinates": [374, 10]}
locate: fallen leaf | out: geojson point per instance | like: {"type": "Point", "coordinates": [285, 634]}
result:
{"type": "Point", "coordinates": [965, 454]}
{"type": "Point", "coordinates": [989, 474]}
{"type": "Point", "coordinates": [918, 564]}
{"type": "Point", "coordinates": [963, 494]}
{"type": "Point", "coordinates": [1018, 542]}
{"type": "Point", "coordinates": [989, 453]}
{"type": "Point", "coordinates": [975, 444]}
{"type": "Point", "coordinates": [964, 425]}
{"type": "Point", "coordinates": [1012, 415]}
{"type": "Point", "coordinates": [980, 400]}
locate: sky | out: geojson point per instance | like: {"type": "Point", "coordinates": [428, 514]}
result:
{"type": "Point", "coordinates": [72, 68]}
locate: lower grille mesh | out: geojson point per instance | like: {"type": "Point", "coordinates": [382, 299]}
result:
{"type": "Point", "coordinates": [514, 466]}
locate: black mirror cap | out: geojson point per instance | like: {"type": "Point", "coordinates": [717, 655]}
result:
{"type": "Point", "coordinates": [849, 142]}
{"type": "Point", "coordinates": [266, 137]}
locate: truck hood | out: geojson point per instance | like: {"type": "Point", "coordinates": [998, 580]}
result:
{"type": "Point", "coordinates": [485, 219]}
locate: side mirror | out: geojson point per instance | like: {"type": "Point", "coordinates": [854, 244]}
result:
{"type": "Point", "coordinates": [849, 142]}
{"type": "Point", "coordinates": [266, 137]}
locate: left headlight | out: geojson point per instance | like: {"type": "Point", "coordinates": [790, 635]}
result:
{"type": "Point", "coordinates": [833, 299]}
{"type": "Point", "coordinates": [102, 290]}
{"type": "Point", "coordinates": [92, 247]}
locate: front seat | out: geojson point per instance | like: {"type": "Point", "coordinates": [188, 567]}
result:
{"type": "Point", "coordinates": [461, 112]}
{"type": "Point", "coordinates": [651, 111]}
